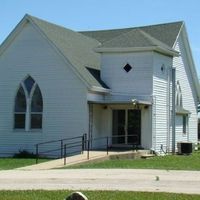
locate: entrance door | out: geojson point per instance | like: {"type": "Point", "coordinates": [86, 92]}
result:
{"type": "Point", "coordinates": [119, 121]}
{"type": "Point", "coordinates": [134, 127]}
{"type": "Point", "coordinates": [126, 126]}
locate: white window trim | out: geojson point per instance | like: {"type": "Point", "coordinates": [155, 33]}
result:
{"type": "Point", "coordinates": [28, 108]}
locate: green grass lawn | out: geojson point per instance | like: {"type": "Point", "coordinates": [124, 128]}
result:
{"type": "Point", "coordinates": [93, 195]}
{"type": "Point", "coordinates": [11, 163]}
{"type": "Point", "coordinates": [171, 162]}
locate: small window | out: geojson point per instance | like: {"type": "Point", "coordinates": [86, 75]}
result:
{"type": "Point", "coordinates": [36, 104]}
{"type": "Point", "coordinates": [20, 101]}
{"type": "Point", "coordinates": [20, 121]}
{"type": "Point", "coordinates": [184, 124]}
{"type": "Point", "coordinates": [20, 108]}
{"type": "Point", "coordinates": [36, 121]}
{"type": "Point", "coordinates": [36, 109]}
{"type": "Point", "coordinates": [127, 67]}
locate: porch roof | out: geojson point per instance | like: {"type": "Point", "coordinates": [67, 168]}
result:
{"type": "Point", "coordinates": [121, 99]}
{"type": "Point", "coordinates": [120, 102]}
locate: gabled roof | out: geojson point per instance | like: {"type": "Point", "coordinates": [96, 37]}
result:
{"type": "Point", "coordinates": [153, 38]}
{"type": "Point", "coordinates": [135, 40]}
{"type": "Point", "coordinates": [166, 33]}
{"type": "Point", "coordinates": [75, 47]}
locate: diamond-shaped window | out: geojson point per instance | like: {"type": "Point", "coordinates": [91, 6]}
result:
{"type": "Point", "coordinates": [127, 68]}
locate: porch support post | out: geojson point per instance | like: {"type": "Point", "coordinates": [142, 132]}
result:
{"type": "Point", "coordinates": [173, 110]}
{"type": "Point", "coordinates": [90, 121]}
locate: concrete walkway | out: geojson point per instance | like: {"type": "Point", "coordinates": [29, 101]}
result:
{"type": "Point", "coordinates": [102, 179]}
{"type": "Point", "coordinates": [77, 159]}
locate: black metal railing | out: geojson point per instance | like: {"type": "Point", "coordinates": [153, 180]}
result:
{"type": "Point", "coordinates": [101, 143]}
{"type": "Point", "coordinates": [71, 146]}
{"type": "Point", "coordinates": [59, 145]}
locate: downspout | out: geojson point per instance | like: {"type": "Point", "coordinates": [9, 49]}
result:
{"type": "Point", "coordinates": [153, 123]}
{"type": "Point", "coordinates": [173, 110]}
{"type": "Point", "coordinates": [168, 109]}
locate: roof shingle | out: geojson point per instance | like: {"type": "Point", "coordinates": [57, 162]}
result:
{"type": "Point", "coordinates": [166, 33]}
{"type": "Point", "coordinates": [78, 47]}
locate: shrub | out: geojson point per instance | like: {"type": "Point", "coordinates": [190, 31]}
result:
{"type": "Point", "coordinates": [24, 154]}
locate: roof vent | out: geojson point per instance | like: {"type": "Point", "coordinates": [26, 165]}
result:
{"type": "Point", "coordinates": [127, 67]}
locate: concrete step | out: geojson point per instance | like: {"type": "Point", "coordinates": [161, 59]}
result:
{"type": "Point", "coordinates": [146, 156]}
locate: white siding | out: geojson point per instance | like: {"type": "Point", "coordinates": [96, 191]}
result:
{"type": "Point", "coordinates": [65, 111]}
{"type": "Point", "coordinates": [146, 128]}
{"type": "Point", "coordinates": [96, 121]}
{"type": "Point", "coordinates": [102, 124]}
{"type": "Point", "coordinates": [161, 101]}
{"type": "Point", "coordinates": [183, 75]}
{"type": "Point", "coordinates": [136, 81]}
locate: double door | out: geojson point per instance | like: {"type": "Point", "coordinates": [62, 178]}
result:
{"type": "Point", "coordinates": [126, 126]}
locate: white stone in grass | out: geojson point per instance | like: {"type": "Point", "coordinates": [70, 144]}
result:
{"type": "Point", "coordinates": [76, 196]}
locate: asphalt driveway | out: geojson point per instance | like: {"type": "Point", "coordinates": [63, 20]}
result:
{"type": "Point", "coordinates": [102, 179]}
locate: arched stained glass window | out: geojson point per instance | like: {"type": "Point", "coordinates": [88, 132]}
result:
{"type": "Point", "coordinates": [179, 100]}
{"type": "Point", "coordinates": [28, 106]}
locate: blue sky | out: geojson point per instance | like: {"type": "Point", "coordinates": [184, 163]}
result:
{"type": "Point", "coordinates": [106, 14]}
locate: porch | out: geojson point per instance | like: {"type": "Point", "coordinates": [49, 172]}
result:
{"type": "Point", "coordinates": [127, 120]}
